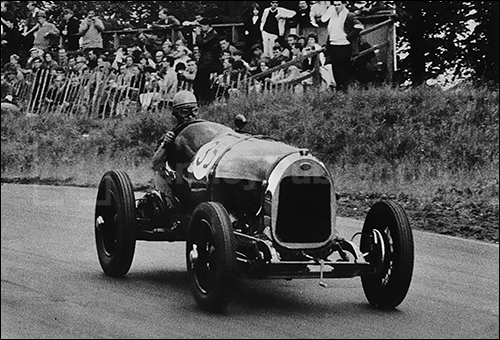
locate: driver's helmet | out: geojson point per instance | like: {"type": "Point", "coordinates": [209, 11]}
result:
{"type": "Point", "coordinates": [185, 104]}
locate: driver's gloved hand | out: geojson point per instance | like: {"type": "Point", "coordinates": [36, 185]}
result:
{"type": "Point", "coordinates": [168, 138]}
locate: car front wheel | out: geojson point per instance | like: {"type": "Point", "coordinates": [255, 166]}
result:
{"type": "Point", "coordinates": [115, 223]}
{"type": "Point", "coordinates": [388, 239]}
{"type": "Point", "coordinates": [211, 257]}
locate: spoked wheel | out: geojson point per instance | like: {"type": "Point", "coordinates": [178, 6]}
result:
{"type": "Point", "coordinates": [211, 257]}
{"type": "Point", "coordinates": [115, 223]}
{"type": "Point", "coordinates": [388, 239]}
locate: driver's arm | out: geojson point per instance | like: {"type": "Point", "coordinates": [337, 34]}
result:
{"type": "Point", "coordinates": [160, 156]}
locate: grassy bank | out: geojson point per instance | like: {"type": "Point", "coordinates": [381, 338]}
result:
{"type": "Point", "coordinates": [430, 150]}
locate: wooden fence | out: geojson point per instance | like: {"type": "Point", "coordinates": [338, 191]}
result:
{"type": "Point", "coordinates": [97, 94]}
{"type": "Point", "coordinates": [103, 94]}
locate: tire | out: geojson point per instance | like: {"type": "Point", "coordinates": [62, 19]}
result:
{"type": "Point", "coordinates": [388, 286]}
{"type": "Point", "coordinates": [211, 257]}
{"type": "Point", "coordinates": [115, 223]}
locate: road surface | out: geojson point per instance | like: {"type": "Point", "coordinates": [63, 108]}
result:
{"type": "Point", "coordinates": [53, 286]}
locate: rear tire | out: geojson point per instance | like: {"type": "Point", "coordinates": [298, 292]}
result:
{"type": "Point", "coordinates": [388, 286]}
{"type": "Point", "coordinates": [211, 257]}
{"type": "Point", "coordinates": [115, 223]}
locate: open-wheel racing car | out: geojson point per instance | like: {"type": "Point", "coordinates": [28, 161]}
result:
{"type": "Point", "coordinates": [249, 205]}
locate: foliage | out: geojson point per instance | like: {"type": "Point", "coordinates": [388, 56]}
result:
{"type": "Point", "coordinates": [455, 129]}
{"type": "Point", "coordinates": [460, 37]}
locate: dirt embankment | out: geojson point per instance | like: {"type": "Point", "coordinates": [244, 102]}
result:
{"type": "Point", "coordinates": [475, 221]}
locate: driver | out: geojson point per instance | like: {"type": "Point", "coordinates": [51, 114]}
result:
{"type": "Point", "coordinates": [184, 109]}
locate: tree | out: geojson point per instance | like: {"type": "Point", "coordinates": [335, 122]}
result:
{"type": "Point", "coordinates": [483, 52]}
{"type": "Point", "coordinates": [439, 37]}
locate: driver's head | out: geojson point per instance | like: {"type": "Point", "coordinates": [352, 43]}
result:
{"type": "Point", "coordinates": [184, 106]}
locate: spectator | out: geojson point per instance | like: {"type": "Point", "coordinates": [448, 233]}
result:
{"type": "Point", "coordinates": [285, 50]}
{"type": "Point", "coordinates": [90, 30]}
{"type": "Point", "coordinates": [92, 59]}
{"type": "Point", "coordinates": [179, 71]}
{"type": "Point", "coordinates": [195, 22]}
{"type": "Point", "coordinates": [258, 84]}
{"type": "Point", "coordinates": [312, 42]}
{"type": "Point", "coordinates": [325, 69]}
{"type": "Point", "coordinates": [147, 63]}
{"type": "Point", "coordinates": [273, 25]}
{"type": "Point", "coordinates": [8, 91]}
{"type": "Point", "coordinates": [31, 25]}
{"type": "Point", "coordinates": [187, 76]}
{"type": "Point", "coordinates": [81, 64]}
{"type": "Point", "coordinates": [147, 42]}
{"type": "Point", "coordinates": [225, 55]}
{"type": "Point", "coordinates": [69, 68]}
{"type": "Point", "coordinates": [291, 39]}
{"type": "Point", "coordinates": [238, 57]}
{"type": "Point", "coordinates": [343, 29]}
{"type": "Point", "coordinates": [54, 97]}
{"type": "Point", "coordinates": [182, 55]}
{"type": "Point", "coordinates": [166, 20]}
{"type": "Point", "coordinates": [303, 18]}
{"type": "Point", "coordinates": [10, 33]}
{"type": "Point", "coordinates": [302, 40]}
{"type": "Point", "coordinates": [191, 69]}
{"type": "Point", "coordinates": [253, 34]}
{"type": "Point", "coordinates": [168, 83]}
{"type": "Point", "coordinates": [70, 31]}
{"type": "Point", "coordinates": [129, 62]}
{"type": "Point", "coordinates": [149, 96]}
{"type": "Point", "coordinates": [49, 63]}
{"type": "Point", "coordinates": [278, 58]}
{"type": "Point", "coordinates": [192, 29]}
{"type": "Point", "coordinates": [167, 48]}
{"type": "Point", "coordinates": [14, 64]}
{"type": "Point", "coordinates": [159, 55]}
{"type": "Point", "coordinates": [318, 9]}
{"type": "Point", "coordinates": [196, 53]}
{"type": "Point", "coordinates": [47, 35]}
{"type": "Point", "coordinates": [226, 80]}
{"type": "Point", "coordinates": [34, 53]}
{"type": "Point", "coordinates": [256, 59]}
{"type": "Point", "coordinates": [210, 51]}
{"type": "Point", "coordinates": [225, 45]}
{"type": "Point", "coordinates": [103, 63]}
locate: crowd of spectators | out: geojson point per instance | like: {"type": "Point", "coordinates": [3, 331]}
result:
{"type": "Point", "coordinates": [198, 59]}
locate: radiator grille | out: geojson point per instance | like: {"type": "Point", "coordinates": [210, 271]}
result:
{"type": "Point", "coordinates": [304, 210]}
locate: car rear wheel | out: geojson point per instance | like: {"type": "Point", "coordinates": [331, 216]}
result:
{"type": "Point", "coordinates": [211, 257]}
{"type": "Point", "coordinates": [388, 239]}
{"type": "Point", "coordinates": [115, 223]}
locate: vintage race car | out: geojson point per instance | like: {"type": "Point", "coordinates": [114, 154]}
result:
{"type": "Point", "coordinates": [253, 206]}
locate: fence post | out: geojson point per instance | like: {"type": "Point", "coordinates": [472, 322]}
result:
{"type": "Point", "coordinates": [116, 41]}
{"type": "Point", "coordinates": [316, 72]}
{"type": "Point", "coordinates": [391, 53]}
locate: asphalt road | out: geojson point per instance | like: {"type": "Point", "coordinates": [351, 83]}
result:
{"type": "Point", "coordinates": [53, 286]}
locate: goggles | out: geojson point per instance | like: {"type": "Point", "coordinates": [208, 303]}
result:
{"type": "Point", "coordinates": [186, 112]}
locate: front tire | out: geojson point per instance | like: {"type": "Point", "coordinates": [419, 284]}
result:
{"type": "Point", "coordinates": [211, 257]}
{"type": "Point", "coordinates": [115, 223]}
{"type": "Point", "coordinates": [392, 255]}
